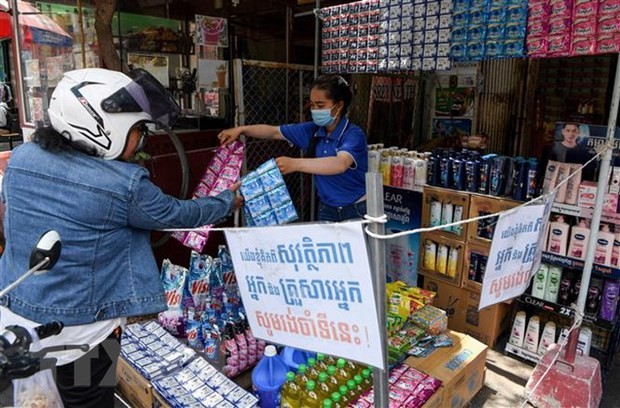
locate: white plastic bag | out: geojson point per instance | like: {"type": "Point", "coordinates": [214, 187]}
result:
{"type": "Point", "coordinates": [37, 391]}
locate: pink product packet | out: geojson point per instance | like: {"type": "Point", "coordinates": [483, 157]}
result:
{"type": "Point", "coordinates": [607, 45]}
{"type": "Point", "coordinates": [414, 402]}
{"type": "Point", "coordinates": [559, 45]}
{"type": "Point", "coordinates": [560, 26]}
{"type": "Point", "coordinates": [606, 7]}
{"type": "Point", "coordinates": [587, 9]}
{"type": "Point", "coordinates": [608, 25]}
{"type": "Point", "coordinates": [537, 28]}
{"type": "Point", "coordinates": [431, 383]}
{"type": "Point", "coordinates": [583, 46]}
{"type": "Point", "coordinates": [407, 384]}
{"type": "Point", "coordinates": [221, 173]}
{"type": "Point", "coordinates": [584, 28]}
{"type": "Point", "coordinates": [537, 47]}
{"type": "Point", "coordinates": [561, 8]}
{"type": "Point", "coordinates": [398, 395]}
{"type": "Point", "coordinates": [538, 11]}
{"type": "Point", "coordinates": [414, 374]}
{"type": "Point", "coordinates": [400, 369]}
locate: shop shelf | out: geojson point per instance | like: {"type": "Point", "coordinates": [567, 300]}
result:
{"type": "Point", "coordinates": [565, 311]}
{"type": "Point", "coordinates": [582, 212]}
{"type": "Point", "coordinates": [571, 263]}
{"type": "Point", "coordinates": [521, 352]}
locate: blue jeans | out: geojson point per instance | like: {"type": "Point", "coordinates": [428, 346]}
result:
{"type": "Point", "coordinates": [337, 214]}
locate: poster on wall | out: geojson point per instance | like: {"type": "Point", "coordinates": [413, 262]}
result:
{"type": "Point", "coordinates": [451, 128]}
{"type": "Point", "coordinates": [155, 65]}
{"type": "Point", "coordinates": [211, 31]}
{"type": "Point", "coordinates": [454, 102]}
{"type": "Point", "coordinates": [212, 73]}
{"type": "Point", "coordinates": [54, 69]}
{"type": "Point", "coordinates": [309, 287]}
{"type": "Point", "coordinates": [33, 73]}
{"type": "Point", "coordinates": [404, 212]}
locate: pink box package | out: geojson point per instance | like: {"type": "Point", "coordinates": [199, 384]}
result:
{"type": "Point", "coordinates": [221, 173]}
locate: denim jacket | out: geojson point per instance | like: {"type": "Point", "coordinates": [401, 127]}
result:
{"type": "Point", "coordinates": [103, 211]}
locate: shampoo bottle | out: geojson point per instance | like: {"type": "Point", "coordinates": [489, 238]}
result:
{"type": "Point", "coordinates": [553, 284]}
{"type": "Point", "coordinates": [585, 340]}
{"type": "Point", "coordinates": [435, 216]}
{"type": "Point", "coordinates": [518, 329]}
{"type": "Point", "coordinates": [453, 258]}
{"type": "Point", "coordinates": [578, 243]}
{"type": "Point", "coordinates": [572, 188]}
{"type": "Point", "coordinates": [604, 246]}
{"type": "Point", "coordinates": [442, 258]}
{"type": "Point", "coordinates": [558, 236]}
{"type": "Point", "coordinates": [563, 172]}
{"type": "Point", "coordinates": [547, 338]}
{"type": "Point", "coordinates": [540, 281]}
{"type": "Point", "coordinates": [609, 303]}
{"type": "Point", "coordinates": [430, 255]}
{"type": "Point", "coordinates": [530, 342]}
{"type": "Point", "coordinates": [447, 213]}
{"type": "Point", "coordinates": [615, 252]}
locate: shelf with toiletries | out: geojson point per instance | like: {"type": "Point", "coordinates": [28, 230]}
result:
{"type": "Point", "coordinates": [566, 311]}
{"type": "Point", "coordinates": [441, 258]}
{"type": "Point", "coordinates": [572, 263]}
{"type": "Point", "coordinates": [443, 206]}
{"type": "Point", "coordinates": [584, 212]}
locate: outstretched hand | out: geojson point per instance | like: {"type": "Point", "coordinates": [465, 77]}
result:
{"type": "Point", "coordinates": [239, 201]}
{"type": "Point", "coordinates": [286, 164]}
{"type": "Point", "coordinates": [227, 136]}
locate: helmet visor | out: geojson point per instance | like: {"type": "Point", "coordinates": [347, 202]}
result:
{"type": "Point", "coordinates": [144, 94]}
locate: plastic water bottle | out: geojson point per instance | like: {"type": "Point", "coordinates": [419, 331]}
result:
{"type": "Point", "coordinates": [268, 377]}
{"type": "Point", "coordinates": [293, 357]}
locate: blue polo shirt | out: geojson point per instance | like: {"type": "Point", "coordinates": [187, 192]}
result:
{"type": "Point", "coordinates": [338, 190]}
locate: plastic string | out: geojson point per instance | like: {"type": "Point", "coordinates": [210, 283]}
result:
{"type": "Point", "coordinates": [600, 151]}
{"type": "Point", "coordinates": [383, 218]}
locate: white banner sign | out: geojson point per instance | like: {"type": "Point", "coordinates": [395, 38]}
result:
{"type": "Point", "coordinates": [309, 286]}
{"type": "Point", "coordinates": [515, 251]}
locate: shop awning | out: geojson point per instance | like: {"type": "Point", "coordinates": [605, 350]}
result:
{"type": "Point", "coordinates": [37, 28]}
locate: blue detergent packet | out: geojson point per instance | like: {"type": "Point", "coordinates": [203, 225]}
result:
{"type": "Point", "coordinates": [258, 205]}
{"type": "Point", "coordinates": [278, 197]}
{"type": "Point", "coordinates": [286, 213]}
{"type": "Point", "coordinates": [173, 279]}
{"type": "Point", "coordinates": [272, 179]}
{"type": "Point", "coordinates": [193, 331]}
{"type": "Point", "coordinates": [266, 219]}
{"type": "Point", "coordinates": [251, 187]}
{"type": "Point", "coordinates": [198, 287]}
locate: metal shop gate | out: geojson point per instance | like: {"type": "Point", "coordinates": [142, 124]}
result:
{"type": "Point", "coordinates": [274, 94]}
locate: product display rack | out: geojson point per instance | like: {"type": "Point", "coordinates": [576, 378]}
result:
{"type": "Point", "coordinates": [572, 263]}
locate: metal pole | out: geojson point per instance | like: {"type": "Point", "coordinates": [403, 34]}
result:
{"type": "Point", "coordinates": [374, 194]}
{"type": "Point", "coordinates": [17, 51]}
{"type": "Point", "coordinates": [598, 205]}
{"type": "Point", "coordinates": [82, 39]}
{"type": "Point", "coordinates": [317, 37]}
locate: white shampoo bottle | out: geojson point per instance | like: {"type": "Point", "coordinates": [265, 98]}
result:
{"type": "Point", "coordinates": [547, 338]}
{"type": "Point", "coordinates": [604, 246]}
{"type": "Point", "coordinates": [530, 342]}
{"type": "Point", "coordinates": [558, 236]}
{"type": "Point", "coordinates": [578, 243]}
{"type": "Point", "coordinates": [518, 329]}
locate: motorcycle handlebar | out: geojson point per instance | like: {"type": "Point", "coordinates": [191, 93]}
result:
{"type": "Point", "coordinates": [49, 329]}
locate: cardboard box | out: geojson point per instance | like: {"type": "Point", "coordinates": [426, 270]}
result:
{"type": "Point", "coordinates": [433, 273]}
{"type": "Point", "coordinates": [482, 205]}
{"type": "Point", "coordinates": [460, 369]}
{"type": "Point", "coordinates": [481, 252]}
{"type": "Point", "coordinates": [448, 298]}
{"type": "Point", "coordinates": [136, 389]}
{"type": "Point", "coordinates": [444, 196]}
{"type": "Point", "coordinates": [485, 325]}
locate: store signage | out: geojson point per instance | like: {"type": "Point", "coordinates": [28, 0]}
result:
{"type": "Point", "coordinates": [515, 253]}
{"type": "Point", "coordinates": [309, 286]}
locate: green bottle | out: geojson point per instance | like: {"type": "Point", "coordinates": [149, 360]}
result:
{"type": "Point", "coordinates": [290, 396]}
{"type": "Point", "coordinates": [332, 380]}
{"type": "Point", "coordinates": [328, 403]}
{"type": "Point", "coordinates": [336, 400]}
{"type": "Point", "coordinates": [367, 379]}
{"type": "Point", "coordinates": [344, 395]}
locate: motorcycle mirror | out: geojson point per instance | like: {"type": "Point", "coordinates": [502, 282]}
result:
{"type": "Point", "coordinates": [48, 246]}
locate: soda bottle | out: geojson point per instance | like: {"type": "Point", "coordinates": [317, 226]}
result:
{"type": "Point", "coordinates": [352, 390]}
{"type": "Point", "coordinates": [336, 399]}
{"type": "Point", "coordinates": [302, 377]}
{"type": "Point", "coordinates": [359, 387]}
{"type": "Point", "coordinates": [367, 383]}
{"type": "Point", "coordinates": [321, 365]}
{"type": "Point", "coordinates": [313, 372]}
{"type": "Point", "coordinates": [341, 371]}
{"type": "Point", "coordinates": [310, 399]}
{"type": "Point", "coordinates": [332, 380]}
{"type": "Point", "coordinates": [322, 387]}
{"type": "Point", "coordinates": [328, 403]}
{"type": "Point", "coordinates": [290, 394]}
{"type": "Point", "coordinates": [344, 395]}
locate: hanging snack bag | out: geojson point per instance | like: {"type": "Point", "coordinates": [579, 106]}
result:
{"type": "Point", "coordinates": [173, 279]}
{"type": "Point", "coordinates": [221, 173]}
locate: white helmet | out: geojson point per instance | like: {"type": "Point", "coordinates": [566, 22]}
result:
{"type": "Point", "coordinates": [99, 107]}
